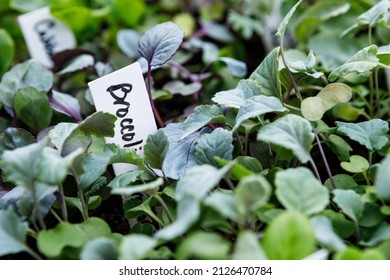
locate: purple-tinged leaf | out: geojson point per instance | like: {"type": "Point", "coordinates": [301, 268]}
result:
{"type": "Point", "coordinates": [160, 43]}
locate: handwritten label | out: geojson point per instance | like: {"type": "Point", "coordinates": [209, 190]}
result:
{"type": "Point", "coordinates": [45, 35]}
{"type": "Point", "coordinates": [123, 94]}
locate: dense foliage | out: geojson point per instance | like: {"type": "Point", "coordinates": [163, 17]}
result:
{"type": "Point", "coordinates": [288, 159]}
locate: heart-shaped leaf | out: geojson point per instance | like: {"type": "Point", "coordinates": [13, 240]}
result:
{"type": "Point", "coordinates": [371, 134]}
{"type": "Point", "coordinates": [298, 189]}
{"type": "Point", "coordinates": [160, 43]}
{"type": "Point", "coordinates": [291, 132]}
{"type": "Point", "coordinates": [356, 164]}
{"type": "Point", "coordinates": [313, 108]}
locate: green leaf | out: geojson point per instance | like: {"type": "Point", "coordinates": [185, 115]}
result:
{"type": "Point", "coordinates": [341, 225]}
{"type": "Point", "coordinates": [257, 106]}
{"type": "Point", "coordinates": [236, 67]}
{"type": "Point", "coordinates": [52, 168]}
{"type": "Point", "coordinates": [28, 6]}
{"type": "Point", "coordinates": [332, 51]}
{"type": "Point", "coordinates": [19, 165]}
{"type": "Point", "coordinates": [381, 234]}
{"type": "Point", "coordinates": [101, 248]}
{"type": "Point", "coordinates": [223, 202]}
{"type": "Point", "coordinates": [203, 246]}
{"type": "Point", "coordinates": [371, 216]}
{"type": "Point", "coordinates": [216, 144]}
{"type": "Point", "coordinates": [349, 202]}
{"type": "Point", "coordinates": [199, 180]}
{"type": "Point", "coordinates": [377, 15]}
{"type": "Point", "coordinates": [179, 87]}
{"type": "Point", "coordinates": [290, 236]}
{"type": "Point", "coordinates": [99, 124]}
{"type": "Point", "coordinates": [325, 235]}
{"type": "Point", "coordinates": [52, 242]}
{"type": "Point", "coordinates": [7, 47]}
{"type": "Point", "coordinates": [33, 108]}
{"type": "Point", "coordinates": [291, 132]}
{"type": "Point", "coordinates": [283, 25]}
{"type": "Point", "coordinates": [298, 189]}
{"type": "Point", "coordinates": [136, 246]}
{"type": "Point", "coordinates": [131, 17]}
{"type": "Point", "coordinates": [266, 75]}
{"type": "Point", "coordinates": [13, 232]}
{"type": "Point", "coordinates": [356, 164]}
{"type": "Point", "coordinates": [94, 165]}
{"type": "Point", "coordinates": [78, 63]}
{"type": "Point", "coordinates": [27, 74]}
{"type": "Point", "coordinates": [202, 115]}
{"type": "Point", "coordinates": [247, 247]}
{"type": "Point", "coordinates": [382, 179]}
{"type": "Point", "coordinates": [160, 43]}
{"type": "Point", "coordinates": [155, 149]}
{"type": "Point", "coordinates": [236, 98]}
{"type": "Point", "coordinates": [147, 187]}
{"type": "Point", "coordinates": [352, 253]}
{"type": "Point", "coordinates": [127, 40]}
{"type": "Point", "coordinates": [181, 152]}
{"type": "Point", "coordinates": [339, 146]}
{"type": "Point", "coordinates": [384, 54]}
{"type": "Point", "coordinates": [363, 61]}
{"type": "Point", "coordinates": [187, 213]}
{"type": "Point", "coordinates": [125, 179]}
{"type": "Point", "coordinates": [13, 138]}
{"type": "Point", "coordinates": [371, 134]}
{"type": "Point", "coordinates": [313, 108]}
{"type": "Point", "coordinates": [342, 181]}
{"type": "Point", "coordinates": [252, 192]}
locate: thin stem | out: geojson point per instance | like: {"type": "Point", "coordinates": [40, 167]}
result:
{"type": "Point", "coordinates": [84, 204]}
{"type": "Point", "coordinates": [296, 89]}
{"type": "Point", "coordinates": [183, 71]}
{"type": "Point", "coordinates": [159, 120]}
{"type": "Point", "coordinates": [65, 109]}
{"type": "Point", "coordinates": [371, 85]}
{"type": "Point", "coordinates": [33, 254]}
{"type": "Point", "coordinates": [288, 106]}
{"type": "Point", "coordinates": [229, 182]}
{"type": "Point", "coordinates": [37, 209]}
{"type": "Point", "coordinates": [55, 215]}
{"type": "Point", "coordinates": [387, 67]}
{"type": "Point", "coordinates": [14, 119]}
{"type": "Point", "coordinates": [378, 97]}
{"type": "Point", "coordinates": [325, 160]}
{"type": "Point", "coordinates": [164, 206]}
{"type": "Point", "coordinates": [64, 210]}
{"type": "Point", "coordinates": [314, 166]}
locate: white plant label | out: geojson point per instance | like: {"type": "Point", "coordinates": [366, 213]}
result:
{"type": "Point", "coordinates": [45, 35]}
{"type": "Point", "coordinates": [123, 94]}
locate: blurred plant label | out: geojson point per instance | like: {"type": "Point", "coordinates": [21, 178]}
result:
{"type": "Point", "coordinates": [123, 94]}
{"type": "Point", "coordinates": [45, 35]}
